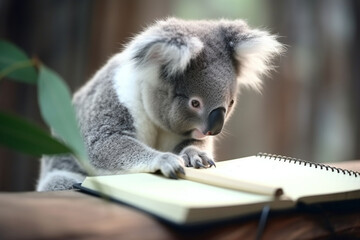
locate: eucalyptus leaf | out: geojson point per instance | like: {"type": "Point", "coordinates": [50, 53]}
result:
{"type": "Point", "coordinates": [15, 65]}
{"type": "Point", "coordinates": [26, 137]}
{"type": "Point", "coordinates": [57, 110]}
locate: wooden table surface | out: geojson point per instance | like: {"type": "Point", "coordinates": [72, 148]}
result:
{"type": "Point", "coordinates": [74, 215]}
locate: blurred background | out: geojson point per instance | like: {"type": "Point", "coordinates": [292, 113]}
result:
{"type": "Point", "coordinates": [309, 107]}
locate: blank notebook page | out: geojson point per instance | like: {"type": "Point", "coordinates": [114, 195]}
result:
{"type": "Point", "coordinates": [295, 179]}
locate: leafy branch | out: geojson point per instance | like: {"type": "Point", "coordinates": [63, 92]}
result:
{"type": "Point", "coordinates": [54, 99]}
{"type": "Point", "coordinates": [16, 66]}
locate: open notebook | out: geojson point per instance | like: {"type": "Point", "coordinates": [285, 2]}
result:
{"type": "Point", "coordinates": [232, 189]}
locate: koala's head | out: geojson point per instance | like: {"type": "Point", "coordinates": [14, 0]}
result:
{"type": "Point", "coordinates": [191, 71]}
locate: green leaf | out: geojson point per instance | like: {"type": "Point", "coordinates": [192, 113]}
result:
{"type": "Point", "coordinates": [58, 112]}
{"type": "Point", "coordinates": [15, 64]}
{"type": "Point", "coordinates": [26, 137]}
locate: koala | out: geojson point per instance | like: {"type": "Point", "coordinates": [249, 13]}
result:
{"type": "Point", "coordinates": [159, 104]}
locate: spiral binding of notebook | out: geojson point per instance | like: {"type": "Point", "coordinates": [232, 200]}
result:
{"type": "Point", "coordinates": [309, 164]}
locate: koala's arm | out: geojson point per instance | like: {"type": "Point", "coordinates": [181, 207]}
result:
{"type": "Point", "coordinates": [119, 153]}
{"type": "Point", "coordinates": [196, 153]}
{"type": "Point", "coordinates": [109, 134]}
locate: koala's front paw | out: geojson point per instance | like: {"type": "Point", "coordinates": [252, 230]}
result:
{"type": "Point", "coordinates": [169, 164]}
{"type": "Point", "coordinates": [196, 158]}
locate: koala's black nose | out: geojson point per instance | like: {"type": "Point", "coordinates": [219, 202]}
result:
{"type": "Point", "coordinates": [216, 121]}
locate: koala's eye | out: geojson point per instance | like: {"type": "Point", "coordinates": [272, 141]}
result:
{"type": "Point", "coordinates": [231, 103]}
{"type": "Point", "coordinates": [195, 103]}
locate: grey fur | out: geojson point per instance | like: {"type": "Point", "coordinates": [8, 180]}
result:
{"type": "Point", "coordinates": [137, 113]}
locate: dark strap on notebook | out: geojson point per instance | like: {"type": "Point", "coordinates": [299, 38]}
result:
{"type": "Point", "coordinates": [318, 210]}
{"type": "Point", "coordinates": [262, 221]}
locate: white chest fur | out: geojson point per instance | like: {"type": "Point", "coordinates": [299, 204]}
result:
{"type": "Point", "coordinates": [166, 141]}
{"type": "Point", "coordinates": [127, 84]}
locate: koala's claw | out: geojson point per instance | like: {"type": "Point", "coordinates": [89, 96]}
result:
{"type": "Point", "coordinates": [194, 157]}
{"type": "Point", "coordinates": [186, 160]}
{"type": "Point", "coordinates": [169, 164]}
{"type": "Point", "coordinates": [198, 164]}
{"type": "Point", "coordinates": [181, 170]}
{"type": "Point", "coordinates": [211, 163]}
{"type": "Point", "coordinates": [173, 175]}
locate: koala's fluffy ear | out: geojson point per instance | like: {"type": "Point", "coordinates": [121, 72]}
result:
{"type": "Point", "coordinates": [254, 52]}
{"type": "Point", "coordinates": [168, 49]}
